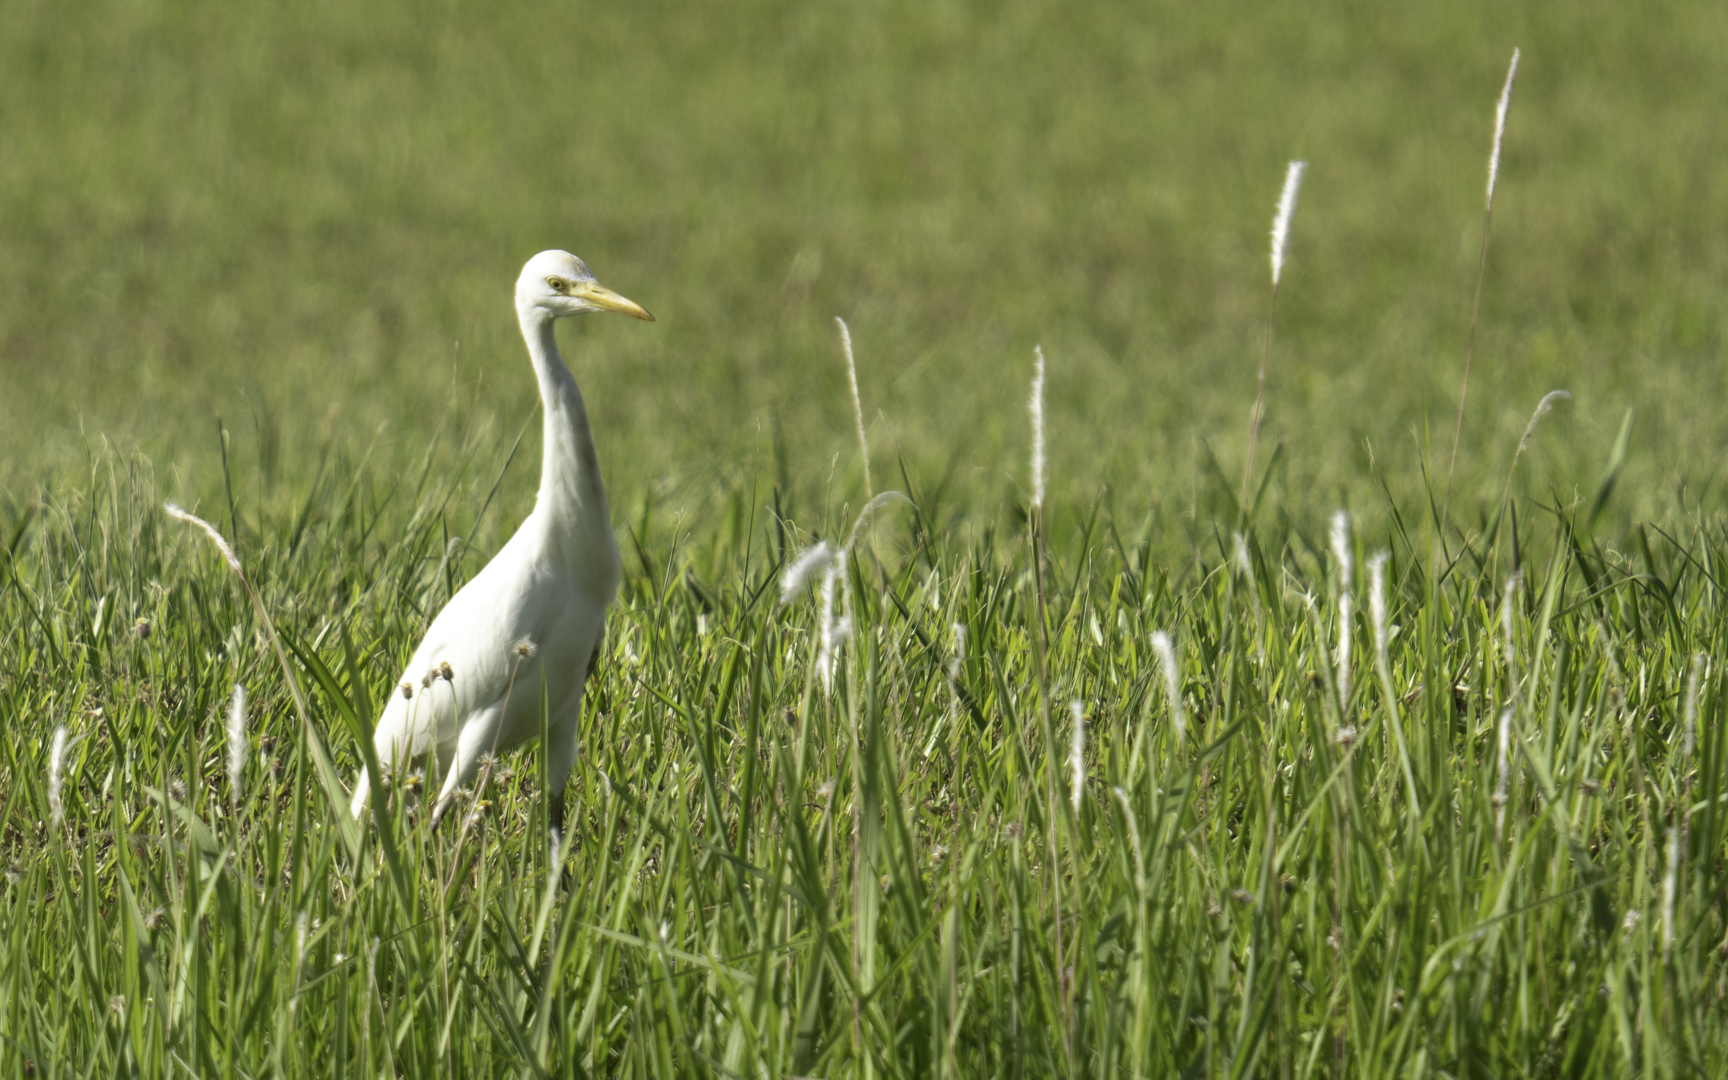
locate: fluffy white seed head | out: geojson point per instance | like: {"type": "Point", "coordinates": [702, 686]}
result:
{"type": "Point", "coordinates": [1281, 220]}
{"type": "Point", "coordinates": [1340, 536]}
{"type": "Point", "coordinates": [1548, 401]}
{"type": "Point", "coordinates": [209, 530]}
{"type": "Point", "coordinates": [812, 562]}
{"type": "Point", "coordinates": [1341, 552]}
{"type": "Point", "coordinates": [1689, 737]}
{"type": "Point", "coordinates": [1343, 657]}
{"type": "Point", "coordinates": [1500, 127]}
{"type": "Point", "coordinates": [832, 631]}
{"type": "Point", "coordinates": [1503, 785]}
{"type": "Point", "coordinates": [1172, 684]}
{"type": "Point", "coordinates": [857, 402]}
{"type": "Point", "coordinates": [1508, 645]}
{"type": "Point", "coordinates": [1037, 406]}
{"type": "Point", "coordinates": [1670, 887]}
{"type": "Point", "coordinates": [237, 743]}
{"type": "Point", "coordinates": [57, 775]}
{"type": "Point", "coordinates": [1377, 600]}
{"type": "Point", "coordinates": [1077, 753]}
{"type": "Point", "coordinates": [959, 651]}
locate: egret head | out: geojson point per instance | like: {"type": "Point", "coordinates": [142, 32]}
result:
{"type": "Point", "coordinates": [559, 284]}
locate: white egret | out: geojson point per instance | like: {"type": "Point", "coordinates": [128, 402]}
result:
{"type": "Point", "coordinates": [537, 613]}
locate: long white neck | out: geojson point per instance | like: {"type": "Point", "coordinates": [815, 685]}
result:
{"type": "Point", "coordinates": [572, 500]}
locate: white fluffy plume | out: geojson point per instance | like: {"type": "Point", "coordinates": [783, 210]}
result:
{"type": "Point", "coordinates": [833, 631]}
{"type": "Point", "coordinates": [1548, 401]}
{"type": "Point", "coordinates": [1286, 211]}
{"type": "Point", "coordinates": [1037, 406]}
{"type": "Point", "coordinates": [1377, 600]}
{"type": "Point", "coordinates": [1341, 551]}
{"type": "Point", "coordinates": [1077, 753]}
{"type": "Point", "coordinates": [1172, 684]}
{"type": "Point", "coordinates": [1500, 127]}
{"type": "Point", "coordinates": [237, 743]}
{"type": "Point", "coordinates": [804, 568]}
{"type": "Point", "coordinates": [857, 403]}
{"type": "Point", "coordinates": [210, 530]}
{"type": "Point", "coordinates": [57, 776]}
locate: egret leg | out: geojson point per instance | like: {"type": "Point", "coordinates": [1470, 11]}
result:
{"type": "Point", "coordinates": [561, 754]}
{"type": "Point", "coordinates": [476, 741]}
{"type": "Point", "coordinates": [560, 758]}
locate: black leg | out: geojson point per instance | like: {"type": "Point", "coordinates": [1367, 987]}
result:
{"type": "Point", "coordinates": [555, 813]}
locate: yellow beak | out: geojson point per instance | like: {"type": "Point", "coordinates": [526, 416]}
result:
{"type": "Point", "coordinates": [602, 297]}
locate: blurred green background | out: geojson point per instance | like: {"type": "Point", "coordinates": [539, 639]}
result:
{"type": "Point", "coordinates": [306, 219]}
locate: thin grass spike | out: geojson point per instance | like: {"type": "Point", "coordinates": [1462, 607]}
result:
{"type": "Point", "coordinates": [1548, 402]}
{"type": "Point", "coordinates": [1280, 249]}
{"type": "Point", "coordinates": [237, 743]}
{"type": "Point", "coordinates": [1037, 408]}
{"type": "Point", "coordinates": [210, 530]}
{"type": "Point", "coordinates": [857, 404]}
{"type": "Point", "coordinates": [1077, 753]}
{"type": "Point", "coordinates": [1166, 651]}
{"type": "Point", "coordinates": [1281, 220]}
{"type": "Point", "coordinates": [831, 632]}
{"type": "Point", "coordinates": [1341, 552]}
{"type": "Point", "coordinates": [1500, 111]}
{"type": "Point", "coordinates": [57, 776]}
{"type": "Point", "coordinates": [1377, 601]}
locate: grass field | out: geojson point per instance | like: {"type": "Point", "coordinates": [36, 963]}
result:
{"type": "Point", "coordinates": [1428, 789]}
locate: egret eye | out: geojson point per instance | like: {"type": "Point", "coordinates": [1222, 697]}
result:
{"type": "Point", "coordinates": [557, 285]}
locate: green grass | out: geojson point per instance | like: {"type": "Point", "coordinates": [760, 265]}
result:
{"type": "Point", "coordinates": [764, 879]}
{"type": "Point", "coordinates": [256, 261]}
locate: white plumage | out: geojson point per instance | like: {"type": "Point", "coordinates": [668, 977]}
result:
{"type": "Point", "coordinates": [537, 612]}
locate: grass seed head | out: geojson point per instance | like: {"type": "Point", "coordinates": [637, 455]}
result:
{"type": "Point", "coordinates": [56, 776]}
{"type": "Point", "coordinates": [1503, 784]}
{"type": "Point", "coordinates": [1377, 600]}
{"type": "Point", "coordinates": [1340, 536]}
{"type": "Point", "coordinates": [1281, 220]}
{"type": "Point", "coordinates": [1548, 401]}
{"type": "Point", "coordinates": [1689, 736]}
{"type": "Point", "coordinates": [1670, 887]}
{"type": "Point", "coordinates": [805, 567]}
{"type": "Point", "coordinates": [237, 742]}
{"type": "Point", "coordinates": [209, 530]}
{"type": "Point", "coordinates": [857, 404]}
{"type": "Point", "coordinates": [1341, 552]}
{"type": "Point", "coordinates": [1037, 408]}
{"type": "Point", "coordinates": [832, 631]}
{"type": "Point", "coordinates": [1500, 127]}
{"type": "Point", "coordinates": [1077, 753]}
{"type": "Point", "coordinates": [1172, 684]}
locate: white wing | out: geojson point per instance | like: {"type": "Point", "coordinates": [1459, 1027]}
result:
{"type": "Point", "coordinates": [520, 624]}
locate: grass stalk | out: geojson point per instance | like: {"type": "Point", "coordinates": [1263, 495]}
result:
{"type": "Point", "coordinates": [1500, 110]}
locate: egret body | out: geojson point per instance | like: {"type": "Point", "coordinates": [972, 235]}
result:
{"type": "Point", "coordinates": [536, 614]}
